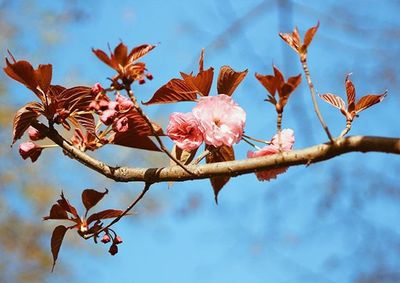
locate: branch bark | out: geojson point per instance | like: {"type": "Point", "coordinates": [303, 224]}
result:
{"type": "Point", "coordinates": [304, 156]}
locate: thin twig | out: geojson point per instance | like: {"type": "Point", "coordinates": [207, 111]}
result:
{"type": "Point", "coordinates": [200, 157]}
{"type": "Point", "coordinates": [346, 130]}
{"type": "Point", "coordinates": [313, 97]}
{"type": "Point", "coordinates": [153, 131]}
{"type": "Point", "coordinates": [129, 208]}
{"type": "Point", "coordinates": [250, 143]}
{"type": "Point", "coordinates": [257, 140]}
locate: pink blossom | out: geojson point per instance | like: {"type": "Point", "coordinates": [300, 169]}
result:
{"type": "Point", "coordinates": [221, 120]}
{"type": "Point", "coordinates": [121, 125]}
{"type": "Point", "coordinates": [31, 150]}
{"type": "Point", "coordinates": [34, 134]}
{"type": "Point", "coordinates": [124, 103]}
{"type": "Point", "coordinates": [97, 88]}
{"type": "Point", "coordinates": [183, 129]}
{"type": "Point", "coordinates": [287, 141]}
{"type": "Point", "coordinates": [108, 116]}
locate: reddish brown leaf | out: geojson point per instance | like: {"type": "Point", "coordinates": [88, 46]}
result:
{"type": "Point", "coordinates": [367, 101]}
{"type": "Point", "coordinates": [91, 197]}
{"type": "Point", "coordinates": [351, 94]}
{"type": "Point", "coordinates": [174, 91]}
{"type": "Point", "coordinates": [185, 157]}
{"type": "Point", "coordinates": [56, 212]}
{"type": "Point", "coordinates": [229, 79]}
{"type": "Point", "coordinates": [64, 203]}
{"type": "Point", "coordinates": [133, 140]}
{"type": "Point", "coordinates": [293, 39]}
{"type": "Point", "coordinates": [140, 51]}
{"type": "Point", "coordinates": [103, 57]}
{"type": "Point", "coordinates": [333, 100]}
{"type": "Point", "coordinates": [202, 82]}
{"type": "Point", "coordinates": [23, 72]}
{"type": "Point", "coordinates": [120, 55]}
{"type": "Point", "coordinates": [295, 81]}
{"type": "Point", "coordinates": [280, 80]}
{"type": "Point", "coordinates": [221, 154]}
{"type": "Point", "coordinates": [76, 98]}
{"type": "Point", "coordinates": [105, 214]}
{"type": "Point", "coordinates": [201, 61]}
{"type": "Point", "coordinates": [268, 82]}
{"type": "Point", "coordinates": [24, 118]}
{"type": "Point", "coordinates": [310, 35]}
{"type": "Point", "coordinates": [56, 241]}
{"type": "Point", "coordinates": [85, 120]}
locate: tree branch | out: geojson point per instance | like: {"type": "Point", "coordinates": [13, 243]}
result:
{"type": "Point", "coordinates": [304, 156]}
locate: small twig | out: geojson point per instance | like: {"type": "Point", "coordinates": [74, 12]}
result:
{"type": "Point", "coordinates": [279, 129]}
{"type": "Point", "coordinates": [137, 199]}
{"type": "Point", "coordinates": [346, 130]}
{"type": "Point", "coordinates": [250, 143]}
{"type": "Point", "coordinates": [314, 100]}
{"type": "Point", "coordinates": [200, 157]}
{"type": "Point", "coordinates": [257, 140]}
{"type": "Point", "coordinates": [153, 131]}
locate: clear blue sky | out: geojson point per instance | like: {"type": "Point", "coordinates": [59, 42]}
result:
{"type": "Point", "coordinates": [318, 224]}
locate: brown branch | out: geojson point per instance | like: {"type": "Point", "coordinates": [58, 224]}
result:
{"type": "Point", "coordinates": [313, 97]}
{"type": "Point", "coordinates": [304, 156]}
{"type": "Point", "coordinates": [125, 212]}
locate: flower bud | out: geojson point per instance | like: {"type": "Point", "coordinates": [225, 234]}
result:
{"type": "Point", "coordinates": [34, 134]}
{"type": "Point", "coordinates": [117, 240]}
{"type": "Point", "coordinates": [113, 249]}
{"type": "Point", "coordinates": [105, 239]}
{"type": "Point", "coordinates": [31, 150]}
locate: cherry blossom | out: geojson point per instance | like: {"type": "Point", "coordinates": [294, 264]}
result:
{"type": "Point", "coordinates": [183, 129]}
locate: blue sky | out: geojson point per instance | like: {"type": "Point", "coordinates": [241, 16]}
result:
{"type": "Point", "coordinates": [323, 223]}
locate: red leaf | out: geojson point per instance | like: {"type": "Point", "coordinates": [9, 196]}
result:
{"type": "Point", "coordinates": [103, 57]}
{"type": "Point", "coordinates": [140, 51]}
{"type": "Point", "coordinates": [310, 35]}
{"type": "Point", "coordinates": [91, 197]}
{"type": "Point", "coordinates": [333, 100]}
{"type": "Point", "coordinates": [56, 212]}
{"type": "Point", "coordinates": [182, 155]}
{"type": "Point", "coordinates": [174, 91]}
{"type": "Point", "coordinates": [130, 139]}
{"type": "Point", "coordinates": [76, 98]}
{"type": "Point", "coordinates": [220, 154]}
{"type": "Point", "coordinates": [229, 79]}
{"type": "Point", "coordinates": [293, 39]}
{"type": "Point", "coordinates": [85, 120]}
{"type": "Point", "coordinates": [120, 56]}
{"type": "Point", "coordinates": [295, 81]}
{"type": "Point", "coordinates": [64, 203]}
{"type": "Point", "coordinates": [24, 118]}
{"type": "Point", "coordinates": [105, 214]}
{"type": "Point", "coordinates": [368, 100]}
{"type": "Point", "coordinates": [56, 241]}
{"type": "Point", "coordinates": [268, 82]}
{"type": "Point", "coordinates": [23, 72]}
{"type": "Point", "coordinates": [351, 94]}
{"type": "Point", "coordinates": [202, 82]}
{"type": "Point", "coordinates": [201, 61]}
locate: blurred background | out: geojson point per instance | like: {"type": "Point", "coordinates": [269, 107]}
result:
{"type": "Point", "coordinates": [336, 221]}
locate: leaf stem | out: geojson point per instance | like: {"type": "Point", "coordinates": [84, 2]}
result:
{"type": "Point", "coordinates": [257, 140]}
{"type": "Point", "coordinates": [131, 205]}
{"type": "Point", "coordinates": [313, 97]}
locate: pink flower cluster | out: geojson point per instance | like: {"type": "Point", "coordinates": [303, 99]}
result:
{"type": "Point", "coordinates": [216, 120]}
{"type": "Point", "coordinates": [284, 144]}
{"type": "Point", "coordinates": [29, 149]}
{"type": "Point", "coordinates": [111, 112]}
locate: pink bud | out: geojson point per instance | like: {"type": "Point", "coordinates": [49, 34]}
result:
{"type": "Point", "coordinates": [117, 240]}
{"type": "Point", "coordinates": [121, 125]}
{"type": "Point", "coordinates": [149, 76]}
{"type": "Point", "coordinates": [142, 81]}
{"type": "Point", "coordinates": [123, 102]}
{"type": "Point", "coordinates": [34, 134]}
{"type": "Point", "coordinates": [113, 249]}
{"type": "Point", "coordinates": [31, 150]}
{"type": "Point", "coordinates": [105, 239]}
{"type": "Point", "coordinates": [97, 88]}
{"type": "Point", "coordinates": [107, 117]}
